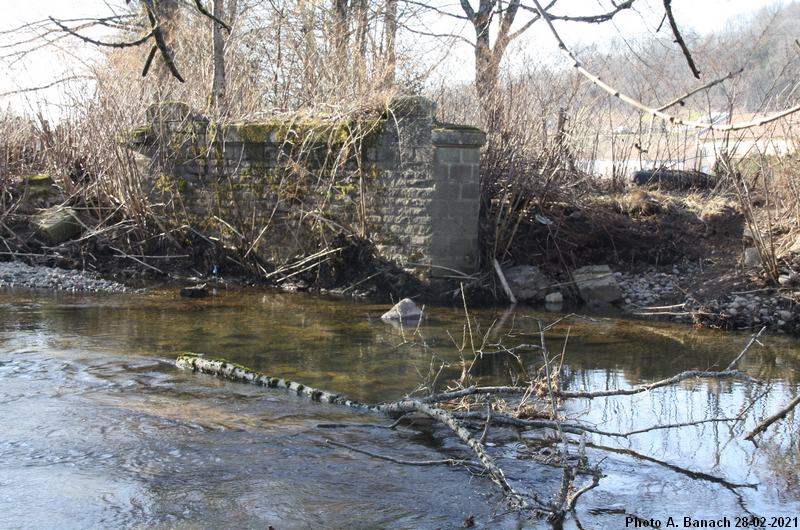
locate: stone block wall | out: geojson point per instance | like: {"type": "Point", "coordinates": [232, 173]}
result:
{"type": "Point", "coordinates": [421, 197]}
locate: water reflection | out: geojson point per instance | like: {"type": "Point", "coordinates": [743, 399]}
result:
{"type": "Point", "coordinates": [108, 433]}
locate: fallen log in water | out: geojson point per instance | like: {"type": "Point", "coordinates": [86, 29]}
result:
{"type": "Point", "coordinates": [237, 372]}
{"type": "Point", "coordinates": [454, 409]}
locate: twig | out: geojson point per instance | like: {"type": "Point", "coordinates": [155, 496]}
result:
{"type": "Point", "coordinates": [129, 44]}
{"type": "Point", "coordinates": [470, 391]}
{"type": "Point", "coordinates": [304, 269]}
{"type": "Point", "coordinates": [459, 273]}
{"type": "Point", "coordinates": [753, 339]}
{"type": "Point", "coordinates": [368, 278]}
{"type": "Point", "coordinates": [655, 307]}
{"type": "Point", "coordinates": [488, 422]}
{"type": "Point", "coordinates": [204, 11]}
{"type": "Point", "coordinates": [658, 384]}
{"type": "Point", "coordinates": [303, 261]}
{"type": "Point", "coordinates": [679, 38]}
{"type": "Point", "coordinates": [680, 99]}
{"type": "Point", "coordinates": [596, 476]}
{"type": "Point", "coordinates": [761, 427]}
{"type": "Point", "coordinates": [503, 282]}
{"type": "Point", "coordinates": [448, 461]}
{"type": "Point", "coordinates": [137, 260]}
{"type": "Point", "coordinates": [677, 425]}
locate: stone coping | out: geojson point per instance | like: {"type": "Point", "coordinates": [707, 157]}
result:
{"type": "Point", "coordinates": [457, 137]}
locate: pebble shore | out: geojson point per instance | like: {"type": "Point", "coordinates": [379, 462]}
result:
{"type": "Point", "coordinates": [754, 310]}
{"type": "Point", "coordinates": [21, 275]}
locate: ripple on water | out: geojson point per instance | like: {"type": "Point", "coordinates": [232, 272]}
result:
{"type": "Point", "coordinates": [107, 433]}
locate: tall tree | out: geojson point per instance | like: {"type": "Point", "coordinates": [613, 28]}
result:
{"type": "Point", "coordinates": [490, 49]}
{"type": "Point", "coordinates": [390, 42]}
{"type": "Point", "coordinates": [218, 44]}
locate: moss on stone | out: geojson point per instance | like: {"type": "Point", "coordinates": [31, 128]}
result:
{"type": "Point", "coordinates": [311, 132]}
{"type": "Point", "coordinates": [169, 183]}
{"type": "Point", "coordinates": [39, 179]}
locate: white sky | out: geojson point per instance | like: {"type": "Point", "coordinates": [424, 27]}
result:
{"type": "Point", "coordinates": [701, 16]}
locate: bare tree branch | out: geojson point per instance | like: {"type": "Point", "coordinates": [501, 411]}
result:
{"type": "Point", "coordinates": [205, 12]}
{"type": "Point", "coordinates": [160, 40]}
{"type": "Point", "coordinates": [45, 87]}
{"type": "Point", "coordinates": [149, 60]}
{"type": "Point", "coordinates": [680, 99]}
{"type": "Point", "coordinates": [129, 44]}
{"type": "Point", "coordinates": [447, 462]}
{"type": "Point", "coordinates": [761, 427]}
{"type": "Point", "coordinates": [683, 376]}
{"type": "Point", "coordinates": [679, 38]}
{"type": "Point", "coordinates": [645, 108]}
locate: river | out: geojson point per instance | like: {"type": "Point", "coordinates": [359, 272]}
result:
{"type": "Point", "coordinates": [101, 430]}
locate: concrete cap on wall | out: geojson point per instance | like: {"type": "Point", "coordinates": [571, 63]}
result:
{"type": "Point", "coordinates": [446, 135]}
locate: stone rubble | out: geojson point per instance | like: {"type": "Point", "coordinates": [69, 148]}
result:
{"type": "Point", "coordinates": [651, 287]}
{"type": "Point", "coordinates": [597, 284]}
{"type": "Point", "coordinates": [735, 311]}
{"type": "Point", "coordinates": [21, 275]}
{"type": "Point", "coordinates": [528, 283]}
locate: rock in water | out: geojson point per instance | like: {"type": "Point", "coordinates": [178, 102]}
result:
{"type": "Point", "coordinates": [57, 224]}
{"type": "Point", "coordinates": [527, 282]}
{"type": "Point", "coordinates": [554, 298]}
{"type": "Point", "coordinates": [597, 284]}
{"type": "Point", "coordinates": [403, 310]}
{"type": "Point", "coordinates": [196, 291]}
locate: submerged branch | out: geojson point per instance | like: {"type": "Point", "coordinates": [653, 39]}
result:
{"type": "Point", "coordinates": [697, 475]}
{"type": "Point", "coordinates": [761, 427]}
{"type": "Point", "coordinates": [447, 461]}
{"type": "Point", "coordinates": [236, 372]}
{"type": "Point", "coordinates": [683, 376]}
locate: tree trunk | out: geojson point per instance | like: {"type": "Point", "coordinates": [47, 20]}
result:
{"type": "Point", "coordinates": [340, 33]}
{"type": "Point", "coordinates": [218, 87]}
{"type": "Point", "coordinates": [362, 25]}
{"type": "Point", "coordinates": [390, 28]}
{"type": "Point", "coordinates": [486, 77]}
{"type": "Point", "coordinates": [306, 10]}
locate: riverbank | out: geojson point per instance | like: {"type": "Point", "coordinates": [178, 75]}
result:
{"type": "Point", "coordinates": [21, 275]}
{"type": "Point", "coordinates": [679, 256]}
{"type": "Point", "coordinates": [677, 294]}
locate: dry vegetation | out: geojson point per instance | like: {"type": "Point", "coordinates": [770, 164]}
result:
{"type": "Point", "coordinates": [547, 128]}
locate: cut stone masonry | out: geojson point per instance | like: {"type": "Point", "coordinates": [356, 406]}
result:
{"type": "Point", "coordinates": [422, 201]}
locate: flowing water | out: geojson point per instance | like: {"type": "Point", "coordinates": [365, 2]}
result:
{"type": "Point", "coordinates": [98, 429]}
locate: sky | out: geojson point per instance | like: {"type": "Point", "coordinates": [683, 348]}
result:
{"type": "Point", "coordinates": [45, 66]}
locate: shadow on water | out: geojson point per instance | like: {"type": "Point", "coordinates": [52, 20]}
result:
{"type": "Point", "coordinates": [108, 433]}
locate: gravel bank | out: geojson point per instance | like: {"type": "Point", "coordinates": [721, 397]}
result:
{"type": "Point", "coordinates": [16, 274]}
{"type": "Point", "coordinates": [753, 310]}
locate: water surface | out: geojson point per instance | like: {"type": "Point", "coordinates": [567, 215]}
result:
{"type": "Point", "coordinates": [101, 430]}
